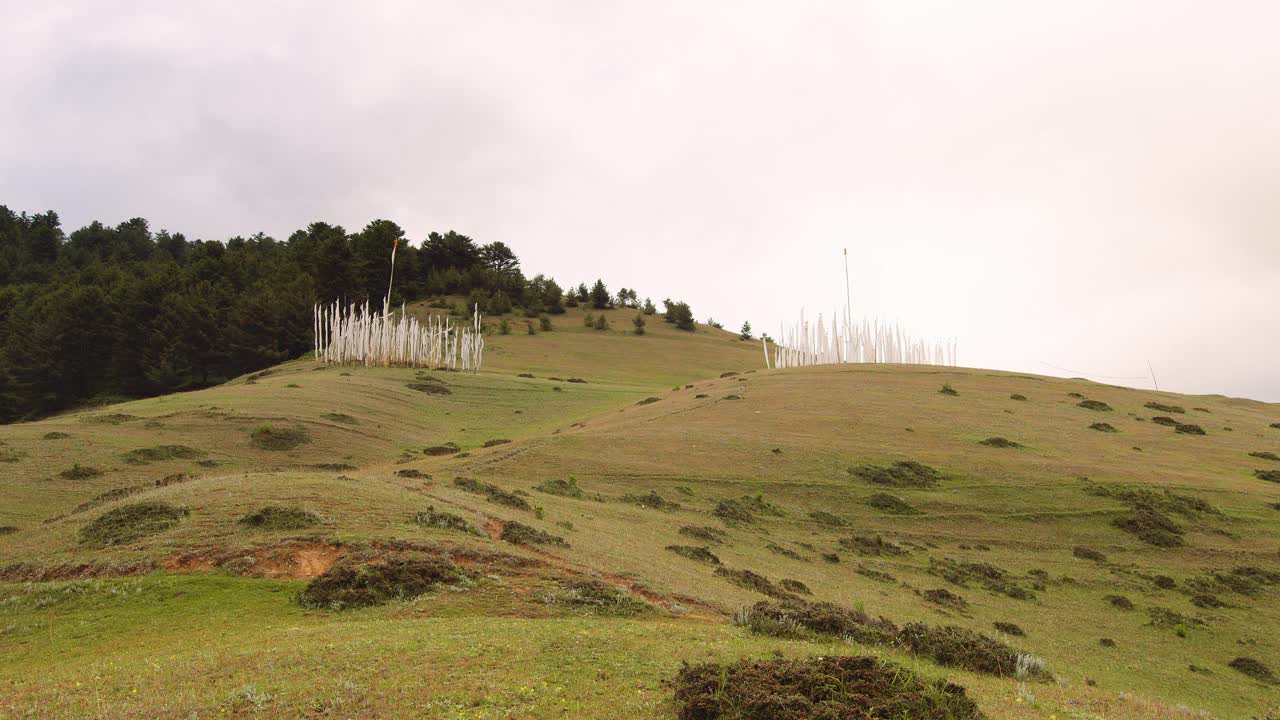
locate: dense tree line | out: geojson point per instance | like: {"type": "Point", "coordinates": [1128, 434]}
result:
{"type": "Point", "coordinates": [110, 312]}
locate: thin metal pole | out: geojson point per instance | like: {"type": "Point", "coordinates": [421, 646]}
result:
{"type": "Point", "coordinates": [1153, 376]}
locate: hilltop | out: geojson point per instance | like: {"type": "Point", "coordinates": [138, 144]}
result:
{"type": "Point", "coordinates": [596, 508]}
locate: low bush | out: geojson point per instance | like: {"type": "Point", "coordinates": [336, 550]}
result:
{"type": "Point", "coordinates": [891, 504]}
{"type": "Point", "coordinates": [825, 688]}
{"type": "Point", "coordinates": [1085, 553]}
{"type": "Point", "coordinates": [276, 517]}
{"type": "Point", "coordinates": [999, 442]}
{"type": "Point", "coordinates": [160, 453]}
{"type": "Point", "coordinates": [751, 581]}
{"type": "Point", "coordinates": [438, 450]}
{"type": "Point", "coordinates": [945, 598]}
{"type": "Point", "coordinates": [563, 488]}
{"type": "Point", "coordinates": [693, 552]}
{"type": "Point", "coordinates": [1164, 420]}
{"type": "Point", "coordinates": [705, 534]}
{"type": "Point", "coordinates": [430, 388]}
{"type": "Point", "coordinates": [788, 553]}
{"type": "Point", "coordinates": [79, 472]}
{"type": "Point", "coordinates": [1096, 405]}
{"type": "Point", "coordinates": [825, 518]}
{"type": "Point", "coordinates": [901, 474]}
{"type": "Point", "coordinates": [1103, 427]}
{"type": "Point", "coordinates": [596, 598]}
{"type": "Point", "coordinates": [1017, 396]}
{"type": "Point", "coordinates": [649, 400]}
{"type": "Point", "coordinates": [267, 437]}
{"type": "Point", "coordinates": [496, 442]}
{"type": "Point", "coordinates": [1265, 456]}
{"type": "Point", "coordinates": [492, 493]}
{"type": "Point", "coordinates": [55, 435]}
{"type": "Point", "coordinates": [1268, 475]}
{"type": "Point", "coordinates": [947, 389]}
{"type": "Point", "coordinates": [8, 529]}
{"type": "Point", "coordinates": [444, 521]}
{"type": "Point", "coordinates": [1188, 429]}
{"type": "Point", "coordinates": [871, 545]}
{"type": "Point", "coordinates": [651, 499]}
{"type": "Point", "coordinates": [1009, 628]}
{"type": "Point", "coordinates": [1151, 526]}
{"type": "Point", "coordinates": [518, 533]}
{"type": "Point", "coordinates": [874, 574]}
{"type": "Point", "coordinates": [989, 576]}
{"type": "Point", "coordinates": [576, 380]}
{"type": "Point", "coordinates": [127, 523]}
{"type": "Point", "coordinates": [342, 587]}
{"type": "Point", "coordinates": [795, 586]}
{"type": "Point", "coordinates": [1160, 407]}
{"type": "Point", "coordinates": [1254, 669]}
{"type": "Point", "coordinates": [413, 474]}
{"type": "Point", "coordinates": [1119, 601]}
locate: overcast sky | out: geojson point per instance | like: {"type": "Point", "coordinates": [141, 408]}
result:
{"type": "Point", "coordinates": [1067, 188]}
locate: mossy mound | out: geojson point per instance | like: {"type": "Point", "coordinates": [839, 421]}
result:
{"type": "Point", "coordinates": [278, 517]}
{"type": "Point", "coordinates": [343, 587]}
{"type": "Point", "coordinates": [128, 523]}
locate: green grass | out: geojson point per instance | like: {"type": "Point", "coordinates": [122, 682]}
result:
{"type": "Point", "coordinates": [199, 642]}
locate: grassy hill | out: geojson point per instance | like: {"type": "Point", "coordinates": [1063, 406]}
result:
{"type": "Point", "coordinates": [1136, 557]}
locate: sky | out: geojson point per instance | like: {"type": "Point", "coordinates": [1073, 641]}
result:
{"type": "Point", "coordinates": [1070, 189]}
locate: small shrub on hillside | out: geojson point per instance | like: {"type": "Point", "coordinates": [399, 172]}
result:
{"type": "Point", "coordinates": [989, 576]}
{"type": "Point", "coordinates": [700, 396]}
{"type": "Point", "coordinates": [1159, 407]}
{"type": "Point", "coordinates": [1017, 396]}
{"type": "Point", "coordinates": [948, 390]}
{"type": "Point", "coordinates": [649, 401]}
{"type": "Point", "coordinates": [413, 474]}
{"type": "Point", "coordinates": [1208, 601]}
{"type": "Point", "coordinates": [1164, 420]}
{"type": "Point", "coordinates": [871, 545]}
{"type": "Point", "coordinates": [430, 388]}
{"type": "Point", "coordinates": [1276, 425]}
{"type": "Point", "coordinates": [127, 523]}
{"type": "Point", "coordinates": [1106, 642]}
{"type": "Point", "coordinates": [830, 557]}
{"type": "Point", "coordinates": [999, 442]}
{"type": "Point", "coordinates": [705, 534]}
{"type": "Point", "coordinates": [342, 587]}
{"type": "Point", "coordinates": [825, 518]}
{"type": "Point", "coordinates": [496, 442]}
{"type": "Point", "coordinates": [1254, 669]}
{"type": "Point", "coordinates": [55, 435]}
{"type": "Point", "coordinates": [267, 437]}
{"type": "Point", "coordinates": [1103, 427]}
{"type": "Point", "coordinates": [874, 574]}
{"type": "Point", "coordinates": [8, 529]}
{"type": "Point", "coordinates": [1268, 475]}
{"type": "Point", "coordinates": [693, 552]}
{"type": "Point", "coordinates": [544, 324]}
{"type": "Point", "coordinates": [963, 648]}
{"type": "Point", "coordinates": [1085, 553]}
{"type": "Point", "coordinates": [492, 493]}
{"type": "Point", "coordinates": [891, 504]}
{"type": "Point", "coordinates": [80, 472]}
{"type": "Point", "coordinates": [1164, 582]}
{"type": "Point", "coordinates": [601, 322]}
{"type": "Point", "coordinates": [1094, 405]}
{"type": "Point", "coordinates": [651, 499]}
{"type": "Point", "coordinates": [901, 474]}
{"type": "Point", "coordinates": [824, 688]}
{"type": "Point", "coordinates": [160, 453]}
{"type": "Point", "coordinates": [731, 397]}
{"type": "Point", "coordinates": [795, 586]}
{"type": "Point", "coordinates": [444, 521]}
{"type": "Point", "coordinates": [788, 553]}
{"type": "Point", "coordinates": [438, 450]}
{"type": "Point", "coordinates": [1189, 429]}
{"type": "Point", "coordinates": [597, 598]}
{"type": "Point", "coordinates": [1119, 601]}
{"type": "Point", "coordinates": [119, 418]}
{"type": "Point", "coordinates": [276, 517]}
{"type": "Point", "coordinates": [520, 534]}
{"type": "Point", "coordinates": [751, 581]}
{"type": "Point", "coordinates": [945, 598]}
{"type": "Point", "coordinates": [564, 488]}
{"type": "Point", "coordinates": [1151, 526]}
{"type": "Point", "coordinates": [1009, 628]}
{"type": "Point", "coordinates": [343, 418]}
{"type": "Point", "coordinates": [1265, 456]}
{"type": "Point", "coordinates": [638, 322]}
{"type": "Point", "coordinates": [576, 380]}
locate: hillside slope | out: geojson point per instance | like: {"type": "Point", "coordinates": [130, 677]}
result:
{"type": "Point", "coordinates": [793, 472]}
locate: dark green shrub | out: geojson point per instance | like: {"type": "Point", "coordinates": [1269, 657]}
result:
{"type": "Point", "coordinates": [963, 648]}
{"type": "Point", "coordinates": [124, 524]}
{"type": "Point", "coordinates": [639, 323]}
{"type": "Point", "coordinates": [8, 529]}
{"type": "Point", "coordinates": [160, 453]}
{"type": "Point", "coordinates": [276, 517]}
{"type": "Point", "coordinates": [438, 450]}
{"type": "Point", "coordinates": [564, 488]}
{"type": "Point", "coordinates": [751, 581]}
{"type": "Point", "coordinates": [342, 587]}
{"type": "Point", "coordinates": [1017, 396]}
{"type": "Point", "coordinates": [1254, 669]}
{"type": "Point", "coordinates": [871, 545]}
{"type": "Point", "coordinates": [413, 474]}
{"type": "Point", "coordinates": [1268, 475]}
{"type": "Point", "coordinates": [55, 435]}
{"type": "Point", "coordinates": [1009, 629]}
{"type": "Point", "coordinates": [1265, 456]}
{"type": "Point", "coordinates": [1189, 429]}
{"type": "Point", "coordinates": [544, 324]}
{"type": "Point", "coordinates": [649, 401]}
{"type": "Point", "coordinates": [1097, 405]}
{"type": "Point", "coordinates": [1164, 420]}
{"type": "Point", "coordinates": [431, 388]}
{"type": "Point", "coordinates": [878, 575]}
{"type": "Point", "coordinates": [945, 598]}
{"type": "Point", "coordinates": [1085, 553]}
{"type": "Point", "coordinates": [496, 442]}
{"type": "Point", "coordinates": [825, 518]}
{"type": "Point", "coordinates": [1103, 427]}
{"type": "Point", "coordinates": [1119, 601]}
{"type": "Point", "coordinates": [1151, 526]}
{"type": "Point", "coordinates": [1165, 408]}
{"type": "Point", "coordinates": [999, 442]}
{"type": "Point", "coordinates": [948, 390]}
{"type": "Point", "coordinates": [340, 418]}
{"type": "Point", "coordinates": [651, 499]}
